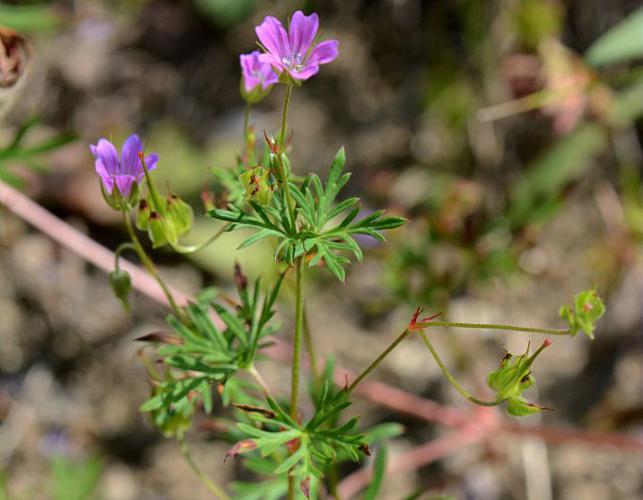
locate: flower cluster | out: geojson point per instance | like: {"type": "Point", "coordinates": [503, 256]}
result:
{"type": "Point", "coordinates": [290, 56]}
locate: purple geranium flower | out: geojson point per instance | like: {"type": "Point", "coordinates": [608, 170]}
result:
{"type": "Point", "coordinates": [256, 73]}
{"type": "Point", "coordinates": [295, 52]}
{"type": "Point", "coordinates": [123, 172]}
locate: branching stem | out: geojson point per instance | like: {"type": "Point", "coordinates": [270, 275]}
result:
{"type": "Point", "coordinates": [488, 326]}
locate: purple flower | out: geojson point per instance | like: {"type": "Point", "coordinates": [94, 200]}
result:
{"type": "Point", "coordinates": [123, 172]}
{"type": "Point", "coordinates": [256, 73]}
{"type": "Point", "coordinates": [295, 52]}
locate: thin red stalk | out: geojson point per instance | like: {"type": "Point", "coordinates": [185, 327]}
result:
{"type": "Point", "coordinates": [377, 392]}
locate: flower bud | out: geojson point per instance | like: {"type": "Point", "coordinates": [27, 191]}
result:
{"type": "Point", "coordinates": [121, 284]}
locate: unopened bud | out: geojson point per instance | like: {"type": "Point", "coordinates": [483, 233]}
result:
{"type": "Point", "coordinates": [121, 284]}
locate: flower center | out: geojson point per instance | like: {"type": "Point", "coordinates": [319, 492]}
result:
{"type": "Point", "coordinates": [294, 61]}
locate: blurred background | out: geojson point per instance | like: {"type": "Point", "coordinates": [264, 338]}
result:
{"type": "Point", "coordinates": [507, 131]}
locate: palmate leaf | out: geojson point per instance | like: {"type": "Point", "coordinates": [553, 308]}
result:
{"type": "Point", "coordinates": [323, 227]}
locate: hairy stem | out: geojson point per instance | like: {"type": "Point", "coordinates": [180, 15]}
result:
{"type": "Point", "coordinates": [310, 349]}
{"type": "Point", "coordinates": [246, 135]}
{"type": "Point", "coordinates": [187, 250]}
{"type": "Point", "coordinates": [377, 361]}
{"type": "Point", "coordinates": [284, 115]}
{"type": "Point", "coordinates": [214, 488]}
{"type": "Point", "coordinates": [296, 354]}
{"type": "Point", "coordinates": [451, 378]}
{"type": "Point", "coordinates": [282, 167]}
{"type": "Point", "coordinates": [487, 326]}
{"type": "Point", "coordinates": [149, 265]}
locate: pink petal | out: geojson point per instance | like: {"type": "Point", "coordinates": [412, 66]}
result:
{"type": "Point", "coordinates": [273, 36]}
{"type": "Point", "coordinates": [129, 157]}
{"type": "Point", "coordinates": [306, 73]}
{"type": "Point", "coordinates": [106, 152]}
{"type": "Point", "coordinates": [325, 52]}
{"type": "Point", "coordinates": [124, 183]}
{"type": "Point", "coordinates": [303, 30]}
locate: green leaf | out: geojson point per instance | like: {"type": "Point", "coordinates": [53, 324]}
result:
{"type": "Point", "coordinates": [620, 43]}
{"type": "Point", "coordinates": [379, 470]}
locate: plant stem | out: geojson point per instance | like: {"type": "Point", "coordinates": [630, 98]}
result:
{"type": "Point", "coordinates": [282, 167]}
{"type": "Point", "coordinates": [119, 250]}
{"type": "Point", "coordinates": [451, 378]}
{"type": "Point", "coordinates": [259, 379]}
{"type": "Point", "coordinates": [296, 355]}
{"type": "Point", "coordinates": [208, 483]}
{"type": "Point", "coordinates": [187, 250]}
{"type": "Point", "coordinates": [487, 326]}
{"type": "Point", "coordinates": [310, 349]}
{"type": "Point", "coordinates": [284, 115]}
{"type": "Point", "coordinates": [377, 361]}
{"type": "Point", "coordinates": [246, 134]}
{"type": "Point", "coordinates": [149, 265]}
{"type": "Point", "coordinates": [299, 326]}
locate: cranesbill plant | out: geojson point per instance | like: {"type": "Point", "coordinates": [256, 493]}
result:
{"type": "Point", "coordinates": [209, 351]}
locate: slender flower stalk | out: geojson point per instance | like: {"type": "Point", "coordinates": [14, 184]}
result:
{"type": "Point", "coordinates": [282, 142]}
{"type": "Point", "coordinates": [489, 326]}
{"type": "Point", "coordinates": [214, 488]}
{"type": "Point", "coordinates": [377, 361]}
{"type": "Point", "coordinates": [284, 116]}
{"type": "Point", "coordinates": [454, 382]}
{"type": "Point", "coordinates": [149, 265]}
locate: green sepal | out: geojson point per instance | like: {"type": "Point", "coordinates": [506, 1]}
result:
{"type": "Point", "coordinates": [157, 231]}
{"type": "Point", "coordinates": [179, 214]}
{"type": "Point", "coordinates": [257, 185]}
{"type": "Point", "coordinates": [119, 202]}
{"type": "Point", "coordinates": [256, 95]}
{"type": "Point", "coordinates": [512, 378]}
{"type": "Point", "coordinates": [143, 215]}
